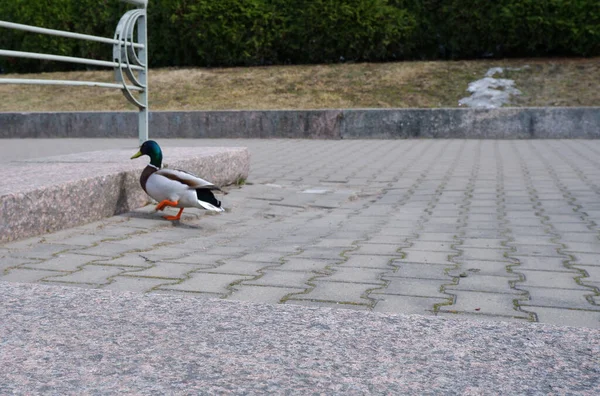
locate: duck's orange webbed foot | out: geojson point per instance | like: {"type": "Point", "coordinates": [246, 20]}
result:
{"type": "Point", "coordinates": [166, 202]}
{"type": "Point", "coordinates": [177, 217]}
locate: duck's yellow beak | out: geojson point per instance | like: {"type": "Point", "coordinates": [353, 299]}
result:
{"type": "Point", "coordinates": [138, 154]}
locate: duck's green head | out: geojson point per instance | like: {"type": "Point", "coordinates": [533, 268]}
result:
{"type": "Point", "coordinates": [152, 150]}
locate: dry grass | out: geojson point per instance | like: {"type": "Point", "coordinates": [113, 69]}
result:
{"type": "Point", "coordinates": [547, 82]}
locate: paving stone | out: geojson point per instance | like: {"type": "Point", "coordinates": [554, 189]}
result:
{"type": "Point", "coordinates": [587, 258]}
{"type": "Point", "coordinates": [432, 246]}
{"type": "Point", "coordinates": [203, 282]}
{"type": "Point", "coordinates": [511, 208]}
{"type": "Point", "coordinates": [333, 254]}
{"type": "Point", "coordinates": [362, 261]}
{"type": "Point", "coordinates": [90, 274]}
{"type": "Point", "coordinates": [517, 232]}
{"type": "Point", "coordinates": [167, 253]}
{"type": "Point", "coordinates": [437, 237]}
{"type": "Point", "coordinates": [349, 293]}
{"type": "Point", "coordinates": [484, 303]}
{"type": "Point", "coordinates": [64, 262]}
{"type": "Point", "coordinates": [583, 247]}
{"type": "Point", "coordinates": [357, 275]}
{"type": "Point", "coordinates": [165, 270]}
{"type": "Point", "coordinates": [140, 285]}
{"type": "Point", "coordinates": [493, 268]}
{"type": "Point", "coordinates": [89, 239]}
{"type": "Point", "coordinates": [417, 256]}
{"type": "Point", "coordinates": [565, 218]}
{"type": "Point", "coordinates": [419, 270]}
{"type": "Point", "coordinates": [474, 281]}
{"type": "Point", "coordinates": [562, 316]}
{"type": "Point", "coordinates": [525, 222]}
{"type": "Point", "coordinates": [562, 280]}
{"type": "Point", "coordinates": [439, 228]}
{"type": "Point", "coordinates": [335, 243]}
{"type": "Point", "coordinates": [510, 216]}
{"type": "Point", "coordinates": [488, 218]}
{"type": "Point", "coordinates": [263, 294]}
{"type": "Point", "coordinates": [43, 250]}
{"type": "Point", "coordinates": [109, 249]}
{"type": "Point", "coordinates": [559, 298]}
{"type": "Point", "coordinates": [483, 226]}
{"type": "Point", "coordinates": [489, 210]}
{"type": "Point", "coordinates": [534, 240]}
{"type": "Point", "coordinates": [536, 250]}
{"type": "Point", "coordinates": [224, 251]}
{"type": "Point", "coordinates": [354, 235]}
{"type": "Point", "coordinates": [593, 273]}
{"type": "Point", "coordinates": [412, 287]}
{"type": "Point", "coordinates": [136, 260]}
{"type": "Point", "coordinates": [482, 254]}
{"type": "Point", "coordinates": [139, 242]}
{"type": "Point", "coordinates": [284, 250]}
{"type": "Point", "coordinates": [7, 262]}
{"type": "Point", "coordinates": [308, 265]}
{"type": "Point", "coordinates": [570, 227]}
{"type": "Point", "coordinates": [406, 304]}
{"type": "Point", "coordinates": [487, 234]}
{"type": "Point", "coordinates": [262, 257]}
{"type": "Point", "coordinates": [376, 249]}
{"type": "Point", "coordinates": [554, 264]}
{"type": "Point", "coordinates": [25, 275]}
{"type": "Point", "coordinates": [443, 221]}
{"type": "Point", "coordinates": [485, 243]}
{"type": "Point", "coordinates": [394, 232]}
{"type": "Point", "coordinates": [240, 267]}
{"type": "Point", "coordinates": [282, 279]}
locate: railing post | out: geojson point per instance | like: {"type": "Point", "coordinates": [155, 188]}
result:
{"type": "Point", "coordinates": [143, 77]}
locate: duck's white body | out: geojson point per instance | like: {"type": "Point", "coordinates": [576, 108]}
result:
{"type": "Point", "coordinates": [179, 186]}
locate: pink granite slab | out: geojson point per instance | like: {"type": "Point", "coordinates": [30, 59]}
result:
{"type": "Point", "coordinates": [53, 193]}
{"type": "Point", "coordinates": [63, 341]}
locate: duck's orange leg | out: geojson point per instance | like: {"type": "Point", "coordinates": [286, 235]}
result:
{"type": "Point", "coordinates": [177, 217]}
{"type": "Point", "coordinates": [166, 202]}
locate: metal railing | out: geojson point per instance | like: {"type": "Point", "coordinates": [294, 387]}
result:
{"type": "Point", "coordinates": [130, 59]}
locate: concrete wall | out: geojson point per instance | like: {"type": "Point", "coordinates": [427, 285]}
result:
{"type": "Point", "coordinates": [503, 123]}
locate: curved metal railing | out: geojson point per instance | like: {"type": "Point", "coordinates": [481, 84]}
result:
{"type": "Point", "coordinates": [130, 60]}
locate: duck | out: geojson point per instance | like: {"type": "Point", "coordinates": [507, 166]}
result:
{"type": "Point", "coordinates": [174, 187]}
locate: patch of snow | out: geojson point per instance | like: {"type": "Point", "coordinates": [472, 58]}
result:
{"type": "Point", "coordinates": [490, 92]}
{"type": "Point", "coordinates": [494, 70]}
{"type": "Point", "coordinates": [315, 191]}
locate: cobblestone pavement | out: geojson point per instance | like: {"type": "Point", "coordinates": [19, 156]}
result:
{"type": "Point", "coordinates": [500, 230]}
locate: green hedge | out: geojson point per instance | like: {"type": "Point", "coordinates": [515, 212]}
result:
{"type": "Point", "coordinates": [263, 32]}
{"type": "Point", "coordinates": [474, 28]}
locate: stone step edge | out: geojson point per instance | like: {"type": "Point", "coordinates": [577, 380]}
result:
{"type": "Point", "coordinates": [76, 201]}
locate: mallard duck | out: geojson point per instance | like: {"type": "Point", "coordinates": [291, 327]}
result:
{"type": "Point", "coordinates": [173, 187]}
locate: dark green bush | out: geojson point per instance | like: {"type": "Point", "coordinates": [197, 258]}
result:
{"type": "Point", "coordinates": [262, 32]}
{"type": "Point", "coordinates": [318, 31]}
{"type": "Point", "coordinates": [476, 28]}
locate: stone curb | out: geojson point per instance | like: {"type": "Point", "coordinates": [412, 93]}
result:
{"type": "Point", "coordinates": [502, 123]}
{"type": "Point", "coordinates": [99, 341]}
{"type": "Point", "coordinates": [54, 193]}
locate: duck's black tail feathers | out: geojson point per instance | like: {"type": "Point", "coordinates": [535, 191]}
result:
{"type": "Point", "coordinates": [205, 195]}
